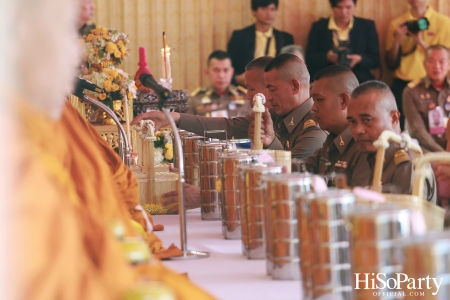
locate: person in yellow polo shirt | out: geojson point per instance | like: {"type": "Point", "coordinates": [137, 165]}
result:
{"type": "Point", "coordinates": [405, 51]}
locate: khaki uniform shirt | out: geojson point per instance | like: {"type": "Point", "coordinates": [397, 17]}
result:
{"type": "Point", "coordinates": [298, 132]}
{"type": "Point", "coordinates": [398, 172]}
{"type": "Point", "coordinates": [419, 97]}
{"type": "Point", "coordinates": [340, 154]}
{"type": "Point", "coordinates": [206, 102]}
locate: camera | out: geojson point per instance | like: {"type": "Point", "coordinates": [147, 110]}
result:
{"type": "Point", "coordinates": [417, 25]}
{"type": "Point", "coordinates": [342, 50]}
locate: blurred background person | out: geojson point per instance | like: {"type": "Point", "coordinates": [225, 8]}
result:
{"type": "Point", "coordinates": [344, 39]}
{"type": "Point", "coordinates": [259, 39]}
{"type": "Point", "coordinates": [294, 49]}
{"type": "Point", "coordinates": [406, 45]}
{"type": "Point", "coordinates": [427, 96]}
{"type": "Point", "coordinates": [220, 98]}
{"type": "Point", "coordinates": [87, 10]}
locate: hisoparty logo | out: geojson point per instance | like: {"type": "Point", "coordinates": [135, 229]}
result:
{"type": "Point", "coordinates": [399, 282]}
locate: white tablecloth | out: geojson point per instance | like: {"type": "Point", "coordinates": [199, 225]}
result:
{"type": "Point", "coordinates": [227, 273]}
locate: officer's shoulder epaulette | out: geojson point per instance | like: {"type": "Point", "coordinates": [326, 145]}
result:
{"type": "Point", "coordinates": [242, 89]}
{"type": "Point", "coordinates": [309, 123]}
{"type": "Point", "coordinates": [414, 83]}
{"type": "Point", "coordinates": [401, 156]}
{"type": "Point", "coordinates": [195, 92]}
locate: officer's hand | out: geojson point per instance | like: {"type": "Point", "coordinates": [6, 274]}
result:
{"type": "Point", "coordinates": [156, 116]}
{"type": "Point", "coordinates": [400, 33]}
{"type": "Point", "coordinates": [267, 131]}
{"type": "Point", "coordinates": [191, 196]}
{"type": "Point", "coordinates": [332, 57]}
{"type": "Point", "coordinates": [354, 59]}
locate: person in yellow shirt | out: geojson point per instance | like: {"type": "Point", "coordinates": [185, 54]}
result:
{"type": "Point", "coordinates": [405, 50]}
{"type": "Point", "coordinates": [343, 39]}
{"type": "Point", "coordinates": [257, 40]}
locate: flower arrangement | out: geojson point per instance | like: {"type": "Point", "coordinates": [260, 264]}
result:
{"type": "Point", "coordinates": [116, 83]}
{"type": "Point", "coordinates": [163, 147]}
{"type": "Point", "coordinates": [105, 47]}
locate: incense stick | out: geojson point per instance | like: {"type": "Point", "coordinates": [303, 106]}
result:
{"type": "Point", "coordinates": [165, 56]}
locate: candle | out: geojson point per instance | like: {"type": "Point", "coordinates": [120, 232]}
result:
{"type": "Point", "coordinates": [167, 72]}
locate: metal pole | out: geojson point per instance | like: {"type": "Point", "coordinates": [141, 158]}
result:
{"type": "Point", "coordinates": [126, 151]}
{"type": "Point", "coordinates": [187, 254]}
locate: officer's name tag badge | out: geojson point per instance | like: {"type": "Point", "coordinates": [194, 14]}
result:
{"type": "Point", "coordinates": [436, 120]}
{"type": "Point", "coordinates": [219, 113]}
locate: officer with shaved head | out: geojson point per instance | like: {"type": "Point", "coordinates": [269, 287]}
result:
{"type": "Point", "coordinates": [372, 110]}
{"type": "Point", "coordinates": [294, 129]}
{"type": "Point", "coordinates": [331, 92]}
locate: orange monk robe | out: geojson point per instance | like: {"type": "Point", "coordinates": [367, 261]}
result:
{"type": "Point", "coordinates": [60, 250]}
{"type": "Point", "coordinates": [102, 177]}
{"type": "Point", "coordinates": [70, 254]}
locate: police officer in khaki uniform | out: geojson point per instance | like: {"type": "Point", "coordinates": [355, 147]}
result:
{"type": "Point", "coordinates": [339, 154]}
{"type": "Point", "coordinates": [372, 110]}
{"type": "Point", "coordinates": [235, 127]}
{"type": "Point", "coordinates": [426, 101]}
{"type": "Point", "coordinates": [294, 129]}
{"type": "Point", "coordinates": [220, 98]}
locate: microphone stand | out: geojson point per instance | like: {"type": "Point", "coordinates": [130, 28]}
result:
{"type": "Point", "coordinates": [187, 254]}
{"type": "Point", "coordinates": [124, 146]}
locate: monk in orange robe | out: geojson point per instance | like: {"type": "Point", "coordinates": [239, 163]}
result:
{"type": "Point", "coordinates": [61, 245]}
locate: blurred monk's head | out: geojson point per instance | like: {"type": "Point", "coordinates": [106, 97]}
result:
{"type": "Point", "coordinates": [372, 110]}
{"type": "Point", "coordinates": [331, 92]}
{"type": "Point", "coordinates": [87, 8]}
{"type": "Point", "coordinates": [45, 52]}
{"type": "Point", "coordinates": [287, 80]}
{"type": "Point", "coordinates": [254, 79]}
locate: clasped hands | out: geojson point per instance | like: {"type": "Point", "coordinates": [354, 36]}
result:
{"type": "Point", "coordinates": [354, 58]}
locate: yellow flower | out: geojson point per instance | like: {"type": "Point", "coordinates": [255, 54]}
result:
{"type": "Point", "coordinates": [130, 95]}
{"type": "Point", "coordinates": [117, 54]}
{"type": "Point", "coordinates": [112, 72]}
{"type": "Point", "coordinates": [115, 87]}
{"type": "Point", "coordinates": [102, 96]}
{"type": "Point", "coordinates": [104, 31]}
{"type": "Point", "coordinates": [107, 37]}
{"type": "Point", "coordinates": [120, 44]}
{"type": "Point", "coordinates": [110, 47]}
{"type": "Point", "coordinates": [110, 78]}
{"type": "Point", "coordinates": [97, 31]}
{"type": "Point", "coordinates": [107, 85]}
{"type": "Point", "coordinates": [123, 50]}
{"type": "Point", "coordinates": [169, 152]}
{"type": "Point", "coordinates": [90, 37]}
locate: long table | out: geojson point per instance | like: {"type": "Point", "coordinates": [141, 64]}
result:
{"type": "Point", "coordinates": [227, 273]}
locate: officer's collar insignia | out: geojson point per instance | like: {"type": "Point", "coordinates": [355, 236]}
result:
{"type": "Point", "coordinates": [291, 123]}
{"type": "Point", "coordinates": [342, 141]}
